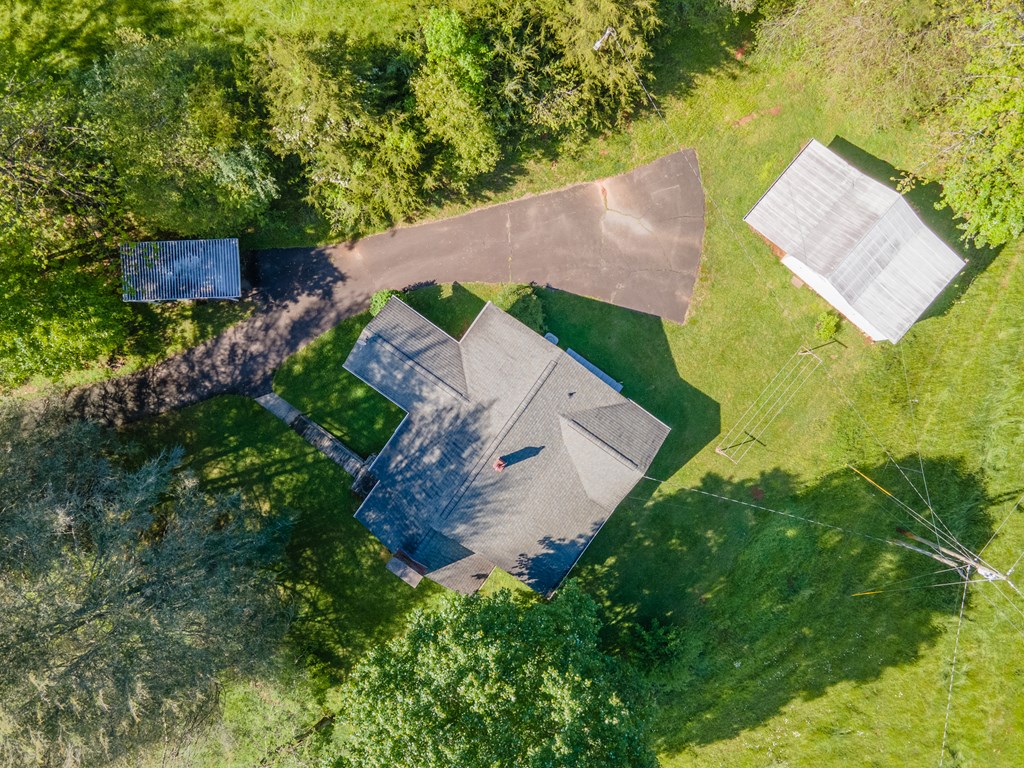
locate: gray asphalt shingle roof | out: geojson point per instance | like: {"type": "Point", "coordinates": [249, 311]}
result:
{"type": "Point", "coordinates": [854, 240]}
{"type": "Point", "coordinates": [574, 448]}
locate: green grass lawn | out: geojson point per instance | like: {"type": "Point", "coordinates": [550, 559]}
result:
{"type": "Point", "coordinates": [770, 661]}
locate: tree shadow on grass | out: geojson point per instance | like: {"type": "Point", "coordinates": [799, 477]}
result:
{"type": "Point", "coordinates": [694, 39]}
{"type": "Point", "coordinates": [761, 604]}
{"type": "Point", "coordinates": [345, 601]}
{"type": "Point", "coordinates": [348, 601]}
{"type": "Point", "coordinates": [698, 40]}
{"type": "Point", "coordinates": [54, 33]}
{"type": "Point", "coordinates": [924, 198]}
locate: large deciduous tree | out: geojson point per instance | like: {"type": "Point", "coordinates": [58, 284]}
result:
{"type": "Point", "coordinates": [982, 141]}
{"type": "Point", "coordinates": [59, 216]}
{"type": "Point", "coordinates": [493, 681]}
{"type": "Point", "coordinates": [125, 594]}
{"type": "Point", "coordinates": [184, 144]}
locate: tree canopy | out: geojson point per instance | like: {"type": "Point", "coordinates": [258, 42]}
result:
{"type": "Point", "coordinates": [981, 144]}
{"type": "Point", "coordinates": [188, 155]}
{"type": "Point", "coordinates": [125, 594]}
{"type": "Point", "coordinates": [495, 681]}
{"type": "Point", "coordinates": [59, 217]}
{"type": "Point", "coordinates": [162, 129]}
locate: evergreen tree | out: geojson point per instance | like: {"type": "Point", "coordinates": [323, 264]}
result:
{"type": "Point", "coordinates": [185, 148]}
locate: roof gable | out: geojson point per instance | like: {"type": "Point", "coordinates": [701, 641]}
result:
{"type": "Point", "coordinates": [863, 242]}
{"type": "Point", "coordinates": [437, 481]}
{"type": "Point", "coordinates": [405, 339]}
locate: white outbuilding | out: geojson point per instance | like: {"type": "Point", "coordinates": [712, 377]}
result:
{"type": "Point", "coordinates": [171, 270]}
{"type": "Point", "coordinates": [855, 241]}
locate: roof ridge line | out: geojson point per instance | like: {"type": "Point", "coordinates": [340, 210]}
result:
{"type": "Point", "coordinates": [505, 429]}
{"type": "Point", "coordinates": [874, 225]}
{"type": "Point", "coordinates": [610, 449]}
{"type": "Point", "coordinates": [436, 380]}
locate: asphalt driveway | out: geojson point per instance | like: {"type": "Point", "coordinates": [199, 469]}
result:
{"type": "Point", "coordinates": [633, 240]}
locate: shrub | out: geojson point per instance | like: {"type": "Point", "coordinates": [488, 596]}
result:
{"type": "Point", "coordinates": [380, 298]}
{"type": "Point", "coordinates": [523, 303]}
{"type": "Point", "coordinates": [827, 325]}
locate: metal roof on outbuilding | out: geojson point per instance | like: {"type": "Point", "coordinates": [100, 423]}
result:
{"type": "Point", "coordinates": [168, 270]}
{"type": "Point", "coordinates": [856, 242]}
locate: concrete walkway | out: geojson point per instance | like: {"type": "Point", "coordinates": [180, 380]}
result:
{"type": "Point", "coordinates": [632, 240]}
{"type": "Point", "coordinates": [329, 445]}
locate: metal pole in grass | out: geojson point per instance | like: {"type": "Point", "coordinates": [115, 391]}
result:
{"type": "Point", "coordinates": [611, 34]}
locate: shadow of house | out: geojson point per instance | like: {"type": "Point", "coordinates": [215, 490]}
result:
{"type": "Point", "coordinates": [759, 606]}
{"type": "Point", "coordinates": [633, 348]}
{"type": "Point", "coordinates": [925, 197]}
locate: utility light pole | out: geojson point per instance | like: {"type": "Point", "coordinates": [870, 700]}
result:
{"type": "Point", "coordinates": [608, 33]}
{"type": "Point", "coordinates": [949, 557]}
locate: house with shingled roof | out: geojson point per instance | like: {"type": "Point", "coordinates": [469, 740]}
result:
{"type": "Point", "coordinates": [512, 453]}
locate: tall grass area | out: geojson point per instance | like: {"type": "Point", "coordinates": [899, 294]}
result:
{"type": "Point", "coordinates": [745, 619]}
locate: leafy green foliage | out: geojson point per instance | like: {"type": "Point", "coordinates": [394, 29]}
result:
{"type": "Point", "coordinates": [59, 216]}
{"type": "Point", "coordinates": [827, 325]}
{"type": "Point", "coordinates": [58, 319]}
{"type": "Point", "coordinates": [522, 302]}
{"type": "Point", "coordinates": [492, 681]}
{"type": "Point", "coordinates": [546, 77]}
{"type": "Point", "coordinates": [379, 131]}
{"type": "Point", "coordinates": [956, 61]}
{"type": "Point", "coordinates": [380, 298]}
{"type": "Point", "coordinates": [126, 594]}
{"type": "Point", "coordinates": [982, 137]}
{"type": "Point", "coordinates": [54, 187]}
{"type": "Point", "coordinates": [185, 149]}
{"type": "Point", "coordinates": [362, 164]}
{"type": "Point", "coordinates": [890, 59]}
{"type": "Point", "coordinates": [450, 94]}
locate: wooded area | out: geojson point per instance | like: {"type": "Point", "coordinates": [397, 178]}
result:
{"type": "Point", "coordinates": [139, 124]}
{"type": "Point", "coordinates": [143, 609]}
{"type": "Point", "coordinates": [127, 593]}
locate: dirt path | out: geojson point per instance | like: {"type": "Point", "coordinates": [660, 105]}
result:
{"type": "Point", "coordinates": [632, 240]}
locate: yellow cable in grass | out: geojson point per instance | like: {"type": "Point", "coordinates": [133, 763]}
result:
{"type": "Point", "coordinates": [871, 481]}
